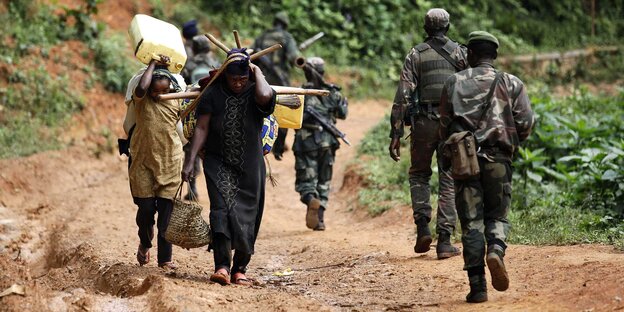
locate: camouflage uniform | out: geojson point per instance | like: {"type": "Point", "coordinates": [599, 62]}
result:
{"type": "Point", "coordinates": [201, 63]}
{"type": "Point", "coordinates": [276, 66]}
{"type": "Point", "coordinates": [423, 75]}
{"type": "Point", "coordinates": [314, 148]}
{"type": "Point", "coordinates": [483, 202]}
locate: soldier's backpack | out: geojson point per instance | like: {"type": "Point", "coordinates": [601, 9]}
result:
{"type": "Point", "coordinates": [461, 148]}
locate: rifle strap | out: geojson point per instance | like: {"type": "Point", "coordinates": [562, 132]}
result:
{"type": "Point", "coordinates": [488, 97]}
{"type": "Point", "coordinates": [445, 51]}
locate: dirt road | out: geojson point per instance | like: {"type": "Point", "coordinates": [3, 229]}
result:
{"type": "Point", "coordinates": [67, 233]}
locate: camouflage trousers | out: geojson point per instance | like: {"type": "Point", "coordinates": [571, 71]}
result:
{"type": "Point", "coordinates": [314, 173]}
{"type": "Point", "coordinates": [424, 142]}
{"type": "Point", "coordinates": [483, 203]}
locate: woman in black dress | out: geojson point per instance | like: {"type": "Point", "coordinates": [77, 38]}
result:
{"type": "Point", "coordinates": [230, 117]}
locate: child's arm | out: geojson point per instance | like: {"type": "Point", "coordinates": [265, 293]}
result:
{"type": "Point", "coordinates": [146, 79]}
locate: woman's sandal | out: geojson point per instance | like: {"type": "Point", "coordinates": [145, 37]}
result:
{"type": "Point", "coordinates": [143, 255]}
{"type": "Point", "coordinates": [221, 277]}
{"type": "Point", "coordinates": [168, 265]}
{"type": "Point", "coordinates": [239, 278]}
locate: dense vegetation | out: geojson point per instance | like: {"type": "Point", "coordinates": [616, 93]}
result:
{"type": "Point", "coordinates": [376, 33]}
{"type": "Point", "coordinates": [34, 102]}
{"type": "Point", "coordinates": [568, 179]}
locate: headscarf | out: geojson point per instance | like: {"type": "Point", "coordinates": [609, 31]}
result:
{"type": "Point", "coordinates": [238, 62]}
{"type": "Point", "coordinates": [164, 73]}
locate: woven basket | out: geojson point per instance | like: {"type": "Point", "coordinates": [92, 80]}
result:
{"type": "Point", "coordinates": [187, 228]}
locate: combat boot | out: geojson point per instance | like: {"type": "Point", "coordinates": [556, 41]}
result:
{"type": "Point", "coordinates": [444, 249]}
{"type": "Point", "coordinates": [478, 289]}
{"type": "Point", "coordinates": [423, 236]}
{"type": "Point", "coordinates": [494, 259]}
{"type": "Point", "coordinates": [321, 223]}
{"type": "Point", "coordinates": [312, 213]}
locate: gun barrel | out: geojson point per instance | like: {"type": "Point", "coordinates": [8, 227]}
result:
{"type": "Point", "coordinates": [300, 61]}
{"type": "Point", "coordinates": [308, 42]}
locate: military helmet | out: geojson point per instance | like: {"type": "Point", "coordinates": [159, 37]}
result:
{"type": "Point", "coordinates": [437, 18]}
{"type": "Point", "coordinates": [282, 17]}
{"type": "Point", "coordinates": [317, 63]}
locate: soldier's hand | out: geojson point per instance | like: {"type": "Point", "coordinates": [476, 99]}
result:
{"type": "Point", "coordinates": [395, 149]}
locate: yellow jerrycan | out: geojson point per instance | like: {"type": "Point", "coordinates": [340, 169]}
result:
{"type": "Point", "coordinates": [152, 37]}
{"type": "Point", "coordinates": [286, 117]}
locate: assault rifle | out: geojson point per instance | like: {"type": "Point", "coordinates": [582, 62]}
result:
{"type": "Point", "coordinates": [328, 126]}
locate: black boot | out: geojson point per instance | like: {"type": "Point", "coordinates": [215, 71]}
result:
{"type": "Point", "coordinates": [478, 289]}
{"type": "Point", "coordinates": [312, 213]}
{"type": "Point", "coordinates": [321, 223]}
{"type": "Point", "coordinates": [494, 259]}
{"type": "Point", "coordinates": [423, 236]}
{"type": "Point", "coordinates": [444, 249]}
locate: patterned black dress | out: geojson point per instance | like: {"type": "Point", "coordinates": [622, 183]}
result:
{"type": "Point", "coordinates": [233, 162]}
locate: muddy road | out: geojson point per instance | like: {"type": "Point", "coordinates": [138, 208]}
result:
{"type": "Point", "coordinates": [67, 233]}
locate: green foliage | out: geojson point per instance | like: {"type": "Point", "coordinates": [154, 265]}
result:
{"type": "Point", "coordinates": [110, 58]}
{"type": "Point", "coordinates": [35, 105]}
{"type": "Point", "coordinates": [35, 101]}
{"type": "Point", "coordinates": [19, 24]}
{"type": "Point", "coordinates": [580, 148]}
{"type": "Point", "coordinates": [366, 32]}
{"type": "Point", "coordinates": [386, 182]}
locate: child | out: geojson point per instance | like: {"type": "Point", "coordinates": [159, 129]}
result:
{"type": "Point", "coordinates": [157, 156]}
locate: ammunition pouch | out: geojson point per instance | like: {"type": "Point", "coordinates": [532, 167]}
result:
{"type": "Point", "coordinates": [413, 110]}
{"type": "Point", "coordinates": [461, 149]}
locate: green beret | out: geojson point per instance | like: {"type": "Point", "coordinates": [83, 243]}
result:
{"type": "Point", "coordinates": [481, 35]}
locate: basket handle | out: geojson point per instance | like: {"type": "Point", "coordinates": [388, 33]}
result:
{"type": "Point", "coordinates": [178, 194]}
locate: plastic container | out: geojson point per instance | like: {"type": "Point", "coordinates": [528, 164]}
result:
{"type": "Point", "coordinates": [286, 117]}
{"type": "Point", "coordinates": [151, 37]}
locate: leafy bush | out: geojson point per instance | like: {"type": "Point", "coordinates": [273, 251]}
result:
{"type": "Point", "coordinates": [34, 101]}
{"type": "Point", "coordinates": [367, 32]}
{"type": "Point", "coordinates": [386, 182]}
{"type": "Point", "coordinates": [34, 104]}
{"type": "Point", "coordinates": [110, 57]}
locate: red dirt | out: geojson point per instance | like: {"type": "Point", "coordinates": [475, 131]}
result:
{"type": "Point", "coordinates": [67, 232]}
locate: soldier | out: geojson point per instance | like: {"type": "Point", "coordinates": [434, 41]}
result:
{"type": "Point", "coordinates": [202, 62]}
{"type": "Point", "coordinates": [276, 66]}
{"type": "Point", "coordinates": [426, 68]}
{"type": "Point", "coordinates": [189, 30]}
{"type": "Point", "coordinates": [314, 147]}
{"type": "Point", "coordinates": [499, 125]}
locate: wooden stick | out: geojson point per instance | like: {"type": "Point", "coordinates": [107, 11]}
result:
{"type": "Point", "coordinates": [237, 39]}
{"type": "Point", "coordinates": [179, 95]}
{"type": "Point", "coordinates": [299, 91]}
{"type": "Point", "coordinates": [195, 94]}
{"type": "Point", "coordinates": [265, 51]}
{"type": "Point", "coordinates": [217, 43]}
